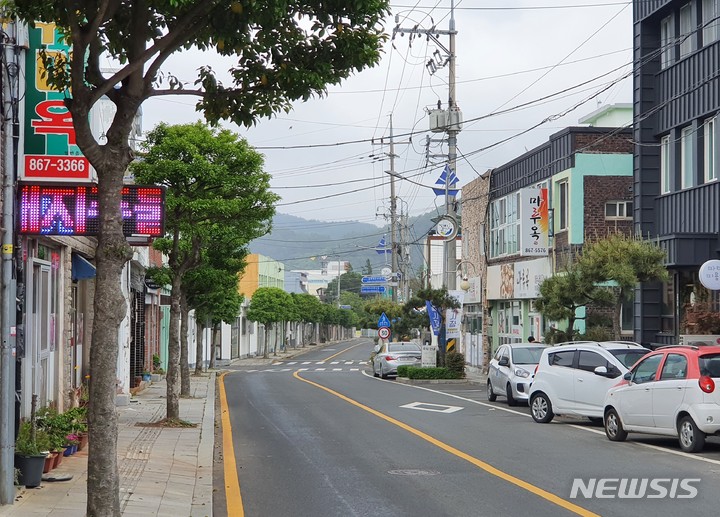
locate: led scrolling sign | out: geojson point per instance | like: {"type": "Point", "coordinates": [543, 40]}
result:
{"type": "Point", "coordinates": [73, 210]}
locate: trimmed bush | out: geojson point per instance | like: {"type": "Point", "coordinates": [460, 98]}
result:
{"type": "Point", "coordinates": [402, 371]}
{"type": "Point", "coordinates": [455, 361]}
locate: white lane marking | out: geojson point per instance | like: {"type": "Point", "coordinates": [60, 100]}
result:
{"type": "Point", "coordinates": [337, 369]}
{"type": "Point", "coordinates": [293, 362]}
{"type": "Point", "coordinates": [320, 362]}
{"type": "Point", "coordinates": [319, 369]}
{"type": "Point", "coordinates": [354, 369]}
{"type": "Point", "coordinates": [349, 362]}
{"type": "Point", "coordinates": [302, 369]}
{"type": "Point", "coordinates": [596, 431]}
{"type": "Point", "coordinates": [335, 362]}
{"type": "Point", "coordinates": [436, 408]}
{"type": "Point", "coordinates": [306, 362]}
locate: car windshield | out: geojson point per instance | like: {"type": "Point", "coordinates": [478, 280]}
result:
{"type": "Point", "coordinates": [710, 365]}
{"type": "Point", "coordinates": [629, 356]}
{"type": "Point", "coordinates": [527, 355]}
{"type": "Point", "coordinates": [403, 347]}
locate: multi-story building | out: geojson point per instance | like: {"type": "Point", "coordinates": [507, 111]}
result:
{"type": "Point", "coordinates": [676, 188]}
{"type": "Point", "coordinates": [538, 211]}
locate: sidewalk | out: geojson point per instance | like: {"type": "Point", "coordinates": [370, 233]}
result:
{"type": "Point", "coordinates": [164, 472]}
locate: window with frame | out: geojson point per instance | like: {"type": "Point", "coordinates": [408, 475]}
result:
{"type": "Point", "coordinates": [665, 164]}
{"type": "Point", "coordinates": [505, 226]}
{"type": "Point", "coordinates": [710, 20]}
{"type": "Point", "coordinates": [667, 37]}
{"type": "Point", "coordinates": [675, 367]}
{"type": "Point", "coordinates": [646, 369]}
{"type": "Point", "coordinates": [687, 34]}
{"type": "Point", "coordinates": [618, 210]}
{"type": "Point", "coordinates": [687, 161]}
{"type": "Point", "coordinates": [564, 358]}
{"type": "Point", "coordinates": [588, 361]}
{"type": "Point", "coordinates": [563, 205]}
{"type": "Point", "coordinates": [710, 151]}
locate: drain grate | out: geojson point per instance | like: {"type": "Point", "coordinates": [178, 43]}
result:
{"type": "Point", "coordinates": [413, 472]}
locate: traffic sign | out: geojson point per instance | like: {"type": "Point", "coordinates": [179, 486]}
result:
{"type": "Point", "coordinates": [384, 321]}
{"type": "Point", "coordinates": [373, 279]}
{"type": "Point", "coordinates": [383, 332]}
{"type": "Point", "coordinates": [367, 289]}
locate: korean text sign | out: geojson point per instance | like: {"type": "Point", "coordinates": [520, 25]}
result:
{"type": "Point", "coordinates": [51, 151]}
{"type": "Point", "coordinates": [534, 222]}
{"type": "Point", "coordinates": [73, 210]}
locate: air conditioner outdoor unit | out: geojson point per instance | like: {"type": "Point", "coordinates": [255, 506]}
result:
{"type": "Point", "coordinates": [700, 339]}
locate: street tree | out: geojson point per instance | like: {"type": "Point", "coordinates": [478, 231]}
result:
{"type": "Point", "coordinates": [213, 181]}
{"type": "Point", "coordinates": [212, 288]}
{"type": "Point", "coordinates": [309, 310]}
{"type": "Point", "coordinates": [286, 53]}
{"type": "Point", "coordinates": [269, 306]}
{"type": "Point", "coordinates": [624, 262]}
{"type": "Point", "coordinates": [349, 282]}
{"type": "Point", "coordinates": [565, 292]}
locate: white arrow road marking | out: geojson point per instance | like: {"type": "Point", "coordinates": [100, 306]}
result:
{"type": "Point", "coordinates": [436, 408]}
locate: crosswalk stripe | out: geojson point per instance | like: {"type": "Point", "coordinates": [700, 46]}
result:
{"type": "Point", "coordinates": [320, 369]}
{"type": "Point", "coordinates": [307, 362]}
{"type": "Point", "coordinates": [337, 369]}
{"type": "Point", "coordinates": [320, 362]}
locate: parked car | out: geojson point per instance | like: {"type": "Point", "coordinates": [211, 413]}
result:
{"type": "Point", "coordinates": [388, 356]}
{"type": "Point", "coordinates": [511, 371]}
{"type": "Point", "coordinates": [670, 392]}
{"type": "Point", "coordinates": [573, 378]}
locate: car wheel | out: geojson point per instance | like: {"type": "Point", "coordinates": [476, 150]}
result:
{"type": "Point", "coordinates": [508, 394]}
{"type": "Point", "coordinates": [613, 427]}
{"type": "Point", "coordinates": [375, 374]}
{"type": "Point", "coordinates": [490, 393]}
{"type": "Point", "coordinates": [691, 438]}
{"type": "Point", "coordinates": [541, 408]}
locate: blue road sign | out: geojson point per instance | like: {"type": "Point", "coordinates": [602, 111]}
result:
{"type": "Point", "coordinates": [367, 289]}
{"type": "Point", "coordinates": [383, 321]}
{"type": "Point", "coordinates": [373, 279]}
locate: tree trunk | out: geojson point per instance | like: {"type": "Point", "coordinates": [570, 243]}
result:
{"type": "Point", "coordinates": [265, 341]}
{"type": "Point", "coordinates": [173, 372]}
{"type": "Point", "coordinates": [199, 349]}
{"type": "Point", "coordinates": [213, 339]}
{"type": "Point", "coordinates": [184, 359]}
{"type": "Point", "coordinates": [111, 307]}
{"type": "Point", "coordinates": [617, 318]}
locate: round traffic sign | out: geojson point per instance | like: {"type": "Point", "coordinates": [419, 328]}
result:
{"type": "Point", "coordinates": [383, 332]}
{"type": "Point", "coordinates": [710, 274]}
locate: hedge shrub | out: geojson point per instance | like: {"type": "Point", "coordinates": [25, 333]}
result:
{"type": "Point", "coordinates": [455, 361]}
{"type": "Point", "coordinates": [414, 372]}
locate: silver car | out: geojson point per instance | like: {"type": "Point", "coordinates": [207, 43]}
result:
{"type": "Point", "coordinates": [511, 371]}
{"type": "Point", "coordinates": [388, 356]}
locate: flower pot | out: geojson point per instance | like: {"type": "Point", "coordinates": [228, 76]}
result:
{"type": "Point", "coordinates": [58, 458]}
{"type": "Point", "coordinates": [30, 469]}
{"type": "Point", "coordinates": [147, 377]}
{"type": "Point", "coordinates": [49, 462]}
{"type": "Point", "coordinates": [83, 441]}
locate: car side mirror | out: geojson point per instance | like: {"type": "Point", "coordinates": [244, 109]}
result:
{"type": "Point", "coordinates": [504, 361]}
{"type": "Point", "coordinates": [627, 376]}
{"type": "Point", "coordinates": [602, 371]}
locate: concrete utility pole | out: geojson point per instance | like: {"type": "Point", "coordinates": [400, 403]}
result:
{"type": "Point", "coordinates": [7, 313]}
{"type": "Point", "coordinates": [452, 128]}
{"type": "Point", "coordinates": [452, 131]}
{"type": "Point", "coordinates": [393, 207]}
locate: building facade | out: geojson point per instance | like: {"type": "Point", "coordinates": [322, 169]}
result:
{"type": "Point", "coordinates": [676, 188]}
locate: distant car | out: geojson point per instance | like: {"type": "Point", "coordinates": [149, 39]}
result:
{"type": "Point", "coordinates": [511, 371]}
{"type": "Point", "coordinates": [672, 392]}
{"type": "Point", "coordinates": [573, 378]}
{"type": "Point", "coordinates": [388, 356]}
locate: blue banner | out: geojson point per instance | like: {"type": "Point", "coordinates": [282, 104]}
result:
{"type": "Point", "coordinates": [434, 316]}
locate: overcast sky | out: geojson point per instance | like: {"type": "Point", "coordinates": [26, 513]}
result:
{"type": "Point", "coordinates": [515, 53]}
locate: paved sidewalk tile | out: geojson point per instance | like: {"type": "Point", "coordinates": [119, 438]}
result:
{"type": "Point", "coordinates": [163, 471]}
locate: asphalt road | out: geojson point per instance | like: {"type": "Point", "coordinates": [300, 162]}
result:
{"type": "Point", "coordinates": [328, 439]}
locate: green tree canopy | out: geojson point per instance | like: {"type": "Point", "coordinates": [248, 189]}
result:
{"type": "Point", "coordinates": [270, 305]}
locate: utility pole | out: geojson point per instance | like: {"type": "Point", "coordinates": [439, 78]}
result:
{"type": "Point", "coordinates": [393, 208]}
{"type": "Point", "coordinates": [7, 312]}
{"type": "Point", "coordinates": [452, 131]}
{"type": "Point", "coordinates": [452, 126]}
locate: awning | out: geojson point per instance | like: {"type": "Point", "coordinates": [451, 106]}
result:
{"type": "Point", "coordinates": [82, 269]}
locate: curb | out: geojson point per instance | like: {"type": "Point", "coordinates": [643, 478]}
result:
{"type": "Point", "coordinates": [405, 380]}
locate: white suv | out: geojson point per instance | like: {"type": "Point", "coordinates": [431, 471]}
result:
{"type": "Point", "coordinates": [573, 378]}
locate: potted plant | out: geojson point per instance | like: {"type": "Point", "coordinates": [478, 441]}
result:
{"type": "Point", "coordinates": [31, 447]}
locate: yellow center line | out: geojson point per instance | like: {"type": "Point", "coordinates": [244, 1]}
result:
{"type": "Point", "coordinates": [460, 454]}
{"type": "Point", "coordinates": [342, 351]}
{"type": "Point", "coordinates": [233, 498]}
